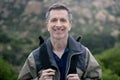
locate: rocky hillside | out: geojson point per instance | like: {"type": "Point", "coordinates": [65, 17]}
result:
{"type": "Point", "coordinates": [89, 15]}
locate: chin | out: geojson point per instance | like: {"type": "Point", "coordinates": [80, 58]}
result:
{"type": "Point", "coordinates": [59, 37]}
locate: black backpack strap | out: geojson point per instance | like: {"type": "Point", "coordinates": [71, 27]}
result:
{"type": "Point", "coordinates": [41, 58]}
{"type": "Point", "coordinates": [73, 65]}
{"type": "Point", "coordinates": [78, 38]}
{"type": "Point", "coordinates": [75, 59]}
{"type": "Point", "coordinates": [44, 57]}
{"type": "Point", "coordinates": [43, 54]}
{"type": "Point", "coordinates": [41, 39]}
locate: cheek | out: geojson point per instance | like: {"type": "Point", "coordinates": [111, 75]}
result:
{"type": "Point", "coordinates": [49, 26]}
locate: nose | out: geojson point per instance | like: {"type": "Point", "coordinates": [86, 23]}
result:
{"type": "Point", "coordinates": [58, 24]}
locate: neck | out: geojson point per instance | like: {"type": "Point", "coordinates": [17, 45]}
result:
{"type": "Point", "coordinates": [59, 45]}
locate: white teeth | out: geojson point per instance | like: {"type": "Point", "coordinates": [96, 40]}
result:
{"type": "Point", "coordinates": [58, 29]}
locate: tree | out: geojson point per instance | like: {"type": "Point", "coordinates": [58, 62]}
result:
{"type": "Point", "coordinates": [98, 42]}
{"type": "Point", "coordinates": [109, 61]}
{"type": "Point", "coordinates": [6, 71]}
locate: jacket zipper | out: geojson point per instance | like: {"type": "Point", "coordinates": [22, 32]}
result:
{"type": "Point", "coordinates": [58, 74]}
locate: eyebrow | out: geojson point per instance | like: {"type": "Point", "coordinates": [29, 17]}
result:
{"type": "Point", "coordinates": [61, 19]}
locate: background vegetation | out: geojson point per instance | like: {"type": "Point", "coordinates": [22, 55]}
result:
{"type": "Point", "coordinates": [23, 21]}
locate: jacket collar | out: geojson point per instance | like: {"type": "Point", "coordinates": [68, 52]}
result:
{"type": "Point", "coordinates": [72, 44]}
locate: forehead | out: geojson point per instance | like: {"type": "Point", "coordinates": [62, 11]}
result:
{"type": "Point", "coordinates": [58, 13]}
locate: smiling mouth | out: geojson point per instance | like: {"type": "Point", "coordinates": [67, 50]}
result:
{"type": "Point", "coordinates": [58, 30]}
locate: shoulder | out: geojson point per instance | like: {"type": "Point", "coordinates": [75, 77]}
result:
{"type": "Point", "coordinates": [35, 52]}
{"type": "Point", "coordinates": [32, 55]}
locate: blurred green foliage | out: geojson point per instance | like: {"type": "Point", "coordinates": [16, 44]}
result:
{"type": "Point", "coordinates": [15, 48]}
{"type": "Point", "coordinates": [6, 71]}
{"type": "Point", "coordinates": [109, 61]}
{"type": "Point", "coordinates": [98, 42]}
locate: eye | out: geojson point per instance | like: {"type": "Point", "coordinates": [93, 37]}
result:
{"type": "Point", "coordinates": [53, 20]}
{"type": "Point", "coordinates": [63, 20]}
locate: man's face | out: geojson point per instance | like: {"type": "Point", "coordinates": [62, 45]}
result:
{"type": "Point", "coordinates": [58, 24]}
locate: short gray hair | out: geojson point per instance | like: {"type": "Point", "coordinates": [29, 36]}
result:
{"type": "Point", "coordinates": [58, 6]}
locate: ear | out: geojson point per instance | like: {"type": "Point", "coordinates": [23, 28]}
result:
{"type": "Point", "coordinates": [47, 26]}
{"type": "Point", "coordinates": [70, 25]}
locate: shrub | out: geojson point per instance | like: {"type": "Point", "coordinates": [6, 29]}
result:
{"type": "Point", "coordinates": [6, 71]}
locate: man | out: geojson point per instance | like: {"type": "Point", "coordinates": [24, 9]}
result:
{"type": "Point", "coordinates": [60, 57]}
